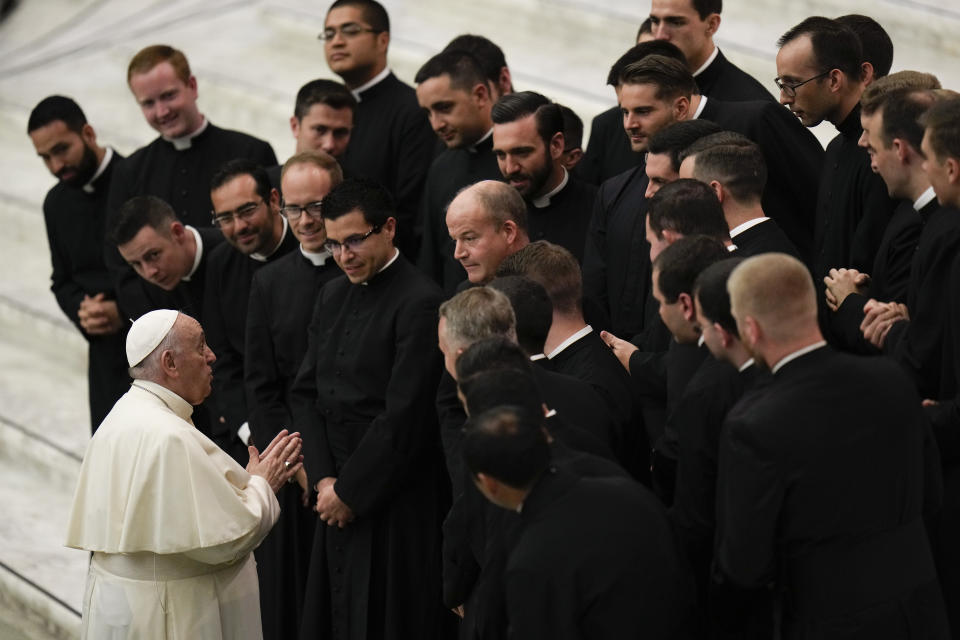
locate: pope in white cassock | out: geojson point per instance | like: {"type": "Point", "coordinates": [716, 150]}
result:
{"type": "Point", "coordinates": [170, 518]}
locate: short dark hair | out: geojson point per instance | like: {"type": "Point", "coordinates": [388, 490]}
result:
{"type": "Point", "coordinates": [901, 116]}
{"type": "Point", "coordinates": [139, 212]}
{"type": "Point", "coordinates": [486, 52]}
{"type": "Point", "coordinates": [463, 69]}
{"type": "Point", "coordinates": [53, 108]}
{"type": "Point", "coordinates": [712, 296]}
{"type": "Point", "coordinates": [531, 307]}
{"type": "Point", "coordinates": [645, 27]}
{"type": "Point", "coordinates": [333, 94]}
{"type": "Point", "coordinates": [688, 207]}
{"type": "Point", "coordinates": [495, 353]}
{"type": "Point", "coordinates": [673, 139]}
{"type": "Point", "coordinates": [714, 140]}
{"type": "Point", "coordinates": [942, 124]}
{"type": "Point", "coordinates": [243, 167]}
{"type": "Point", "coordinates": [705, 7]}
{"type": "Point", "coordinates": [554, 267]}
{"type": "Point", "coordinates": [505, 444]}
{"type": "Point", "coordinates": [514, 106]}
{"type": "Point", "coordinates": [875, 96]}
{"type": "Point", "coordinates": [874, 41]}
{"type": "Point", "coordinates": [638, 52]}
{"type": "Point", "coordinates": [670, 76]}
{"type": "Point", "coordinates": [835, 46]}
{"type": "Point", "coordinates": [373, 12]}
{"type": "Point", "coordinates": [488, 389]}
{"type": "Point", "coordinates": [684, 260]}
{"type": "Point", "coordinates": [740, 168]}
{"type": "Point", "coordinates": [366, 196]}
{"type": "Point", "coordinates": [572, 129]}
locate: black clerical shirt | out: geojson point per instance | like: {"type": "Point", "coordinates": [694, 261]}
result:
{"type": "Point", "coordinates": [726, 81]}
{"type": "Point", "coordinates": [564, 217]}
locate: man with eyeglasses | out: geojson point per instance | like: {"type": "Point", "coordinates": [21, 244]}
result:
{"type": "Point", "coordinates": [282, 297]}
{"type": "Point", "coordinates": [364, 396]}
{"type": "Point", "coordinates": [820, 76]}
{"type": "Point", "coordinates": [247, 211]}
{"type": "Point", "coordinates": [391, 142]}
{"type": "Point", "coordinates": [178, 165]}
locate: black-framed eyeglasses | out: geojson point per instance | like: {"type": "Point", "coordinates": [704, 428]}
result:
{"type": "Point", "coordinates": [351, 242]}
{"type": "Point", "coordinates": [292, 212]}
{"type": "Point", "coordinates": [791, 89]}
{"type": "Point", "coordinates": [244, 212]}
{"type": "Point", "coordinates": [349, 30]}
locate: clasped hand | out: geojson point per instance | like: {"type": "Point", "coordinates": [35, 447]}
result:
{"type": "Point", "coordinates": [279, 462]}
{"type": "Point", "coordinates": [331, 508]}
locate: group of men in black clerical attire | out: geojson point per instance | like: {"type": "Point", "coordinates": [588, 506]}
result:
{"type": "Point", "coordinates": [698, 380]}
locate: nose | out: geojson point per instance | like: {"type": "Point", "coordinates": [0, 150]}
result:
{"type": "Point", "coordinates": [436, 123]}
{"type": "Point", "coordinates": [660, 31]}
{"type": "Point", "coordinates": [327, 143]}
{"type": "Point", "coordinates": [459, 252]}
{"type": "Point", "coordinates": [150, 272]}
{"type": "Point", "coordinates": [510, 165]}
{"type": "Point", "coordinates": [785, 98]}
{"type": "Point", "coordinates": [210, 357]}
{"type": "Point", "coordinates": [652, 188]}
{"type": "Point", "coordinates": [56, 164]}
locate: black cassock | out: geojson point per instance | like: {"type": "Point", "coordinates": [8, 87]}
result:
{"type": "Point", "coordinates": [229, 273]}
{"type": "Point", "coordinates": [616, 261]}
{"type": "Point", "coordinates": [853, 206]}
{"type": "Point", "coordinates": [75, 220]}
{"type": "Point", "coordinates": [452, 170]}
{"type": "Point", "coordinates": [282, 298]}
{"type": "Point", "coordinates": [181, 178]}
{"type": "Point", "coordinates": [595, 558]}
{"type": "Point", "coordinates": [608, 151]}
{"type": "Point", "coordinates": [392, 143]}
{"type": "Point", "coordinates": [764, 237]}
{"type": "Point", "coordinates": [565, 218]}
{"type": "Point", "coordinates": [364, 404]}
{"type": "Point", "coordinates": [820, 491]}
{"type": "Point", "coordinates": [794, 160]}
{"type": "Point", "coordinates": [889, 279]}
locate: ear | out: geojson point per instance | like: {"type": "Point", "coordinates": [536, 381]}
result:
{"type": "Point", "coordinates": [713, 23]}
{"type": "Point", "coordinates": [295, 126]}
{"type": "Point", "coordinates": [556, 145]}
{"type": "Point", "coordinates": [481, 94]}
{"type": "Point", "coordinates": [505, 81]}
{"type": "Point", "coordinates": [836, 79]}
{"type": "Point", "coordinates": [867, 73]}
{"type": "Point", "coordinates": [670, 236]}
{"type": "Point", "coordinates": [383, 41]}
{"type": "Point", "coordinates": [178, 232]}
{"type": "Point", "coordinates": [719, 190]}
{"type": "Point", "coordinates": [510, 229]}
{"type": "Point", "coordinates": [751, 330]}
{"type": "Point", "coordinates": [687, 307]}
{"type": "Point", "coordinates": [488, 486]}
{"type": "Point", "coordinates": [192, 86]}
{"type": "Point", "coordinates": [390, 227]}
{"type": "Point", "coordinates": [681, 108]}
{"type": "Point", "coordinates": [274, 199]}
{"type": "Point", "coordinates": [902, 150]}
{"type": "Point", "coordinates": [726, 338]}
{"type": "Point", "coordinates": [89, 135]}
{"type": "Point", "coordinates": [168, 364]}
{"type": "Point", "coordinates": [573, 158]}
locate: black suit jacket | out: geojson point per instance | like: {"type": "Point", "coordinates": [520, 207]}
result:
{"type": "Point", "coordinates": [764, 237]}
{"type": "Point", "coordinates": [724, 80]}
{"type": "Point", "coordinates": [820, 491]}
{"type": "Point", "coordinates": [565, 219]}
{"type": "Point", "coordinates": [608, 151]}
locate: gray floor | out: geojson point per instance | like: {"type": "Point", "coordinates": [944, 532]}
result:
{"type": "Point", "coordinates": [250, 56]}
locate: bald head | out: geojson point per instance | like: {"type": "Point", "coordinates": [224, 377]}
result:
{"type": "Point", "coordinates": [487, 222]}
{"type": "Point", "coordinates": [772, 298]}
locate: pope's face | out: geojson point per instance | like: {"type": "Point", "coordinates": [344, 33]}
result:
{"type": "Point", "coordinates": [194, 359]}
{"type": "Point", "coordinates": [168, 103]}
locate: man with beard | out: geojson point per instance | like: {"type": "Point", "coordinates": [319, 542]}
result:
{"type": "Point", "coordinates": [75, 214]}
{"type": "Point", "coordinates": [528, 143]}
{"type": "Point", "coordinates": [247, 211]}
{"type": "Point", "coordinates": [452, 88]}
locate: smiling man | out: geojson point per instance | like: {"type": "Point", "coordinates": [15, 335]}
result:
{"type": "Point", "coordinates": [247, 211]}
{"type": "Point", "coordinates": [452, 89]}
{"type": "Point", "coordinates": [391, 141]}
{"type": "Point", "coordinates": [75, 213]}
{"type": "Point", "coordinates": [365, 397]}
{"type": "Point", "coordinates": [178, 165]}
{"type": "Point", "coordinates": [528, 142]}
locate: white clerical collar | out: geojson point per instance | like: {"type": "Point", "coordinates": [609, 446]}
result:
{"type": "Point", "coordinates": [731, 248]}
{"type": "Point", "coordinates": [316, 258]}
{"type": "Point", "coordinates": [537, 356]}
{"type": "Point", "coordinates": [703, 67]}
{"type": "Point", "coordinates": [544, 200]}
{"type": "Point", "coordinates": [396, 254]}
{"type": "Point", "coordinates": [88, 188]}
{"type": "Point", "coordinates": [700, 340]}
{"type": "Point", "coordinates": [473, 148]}
{"type": "Point", "coordinates": [263, 257]}
{"type": "Point", "coordinates": [925, 198]}
{"type": "Point", "coordinates": [370, 83]}
{"type": "Point", "coordinates": [749, 224]}
{"type": "Point", "coordinates": [796, 354]}
{"type": "Point", "coordinates": [746, 365]}
{"type": "Point", "coordinates": [703, 103]}
{"type": "Point", "coordinates": [174, 402]}
{"type": "Point", "coordinates": [569, 341]}
{"type": "Point", "coordinates": [181, 144]}
{"type": "Point", "coordinates": [197, 256]}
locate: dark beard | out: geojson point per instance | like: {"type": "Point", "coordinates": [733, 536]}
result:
{"type": "Point", "coordinates": [86, 169]}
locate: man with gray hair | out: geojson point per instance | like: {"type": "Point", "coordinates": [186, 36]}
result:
{"type": "Point", "coordinates": [144, 464]}
{"type": "Point", "coordinates": [829, 433]}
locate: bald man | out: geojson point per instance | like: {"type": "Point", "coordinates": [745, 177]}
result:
{"type": "Point", "coordinates": [821, 474]}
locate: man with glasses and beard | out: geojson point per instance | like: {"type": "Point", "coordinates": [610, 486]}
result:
{"type": "Point", "coordinates": [364, 397]}
{"type": "Point", "coordinates": [528, 142]}
{"type": "Point", "coordinates": [75, 212]}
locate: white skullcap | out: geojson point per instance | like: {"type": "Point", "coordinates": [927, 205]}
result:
{"type": "Point", "coordinates": [147, 333]}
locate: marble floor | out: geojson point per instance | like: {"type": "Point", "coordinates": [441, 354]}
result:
{"type": "Point", "coordinates": [250, 56]}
